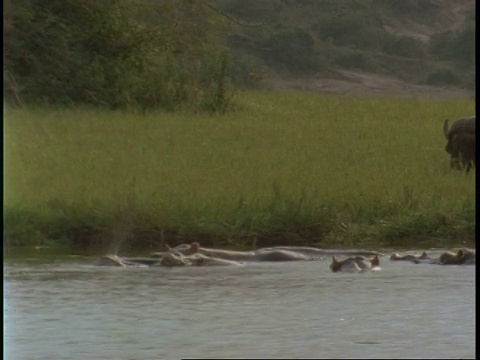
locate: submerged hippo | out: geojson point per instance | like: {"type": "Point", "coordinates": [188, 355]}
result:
{"type": "Point", "coordinates": [316, 252]}
{"type": "Point", "coordinates": [463, 256]}
{"type": "Point", "coordinates": [195, 248]}
{"type": "Point", "coordinates": [280, 255]}
{"type": "Point", "coordinates": [354, 264]}
{"type": "Point", "coordinates": [416, 258]}
{"type": "Point", "coordinates": [277, 253]}
{"type": "Point", "coordinates": [232, 255]}
{"type": "Point", "coordinates": [204, 260]}
{"type": "Point", "coordinates": [171, 259]}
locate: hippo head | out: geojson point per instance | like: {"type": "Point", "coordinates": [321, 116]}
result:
{"type": "Point", "coordinates": [448, 258]}
{"type": "Point", "coordinates": [395, 256]}
{"type": "Point", "coordinates": [335, 265]}
{"type": "Point", "coordinates": [194, 247]}
{"type": "Point", "coordinates": [171, 259]}
{"type": "Point", "coordinates": [375, 261]}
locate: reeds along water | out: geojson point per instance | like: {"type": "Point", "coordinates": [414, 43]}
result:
{"type": "Point", "coordinates": [363, 168]}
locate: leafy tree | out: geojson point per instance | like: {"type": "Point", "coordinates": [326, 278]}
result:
{"type": "Point", "coordinates": [116, 53]}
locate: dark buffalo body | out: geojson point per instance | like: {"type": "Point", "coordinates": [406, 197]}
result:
{"type": "Point", "coordinates": [461, 143]}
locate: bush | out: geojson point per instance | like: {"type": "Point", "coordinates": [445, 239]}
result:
{"type": "Point", "coordinates": [355, 29]}
{"type": "Point", "coordinates": [292, 49]}
{"type": "Point", "coordinates": [403, 46]}
{"type": "Point", "coordinates": [353, 59]}
{"type": "Point", "coordinates": [114, 53]}
{"type": "Point", "coordinates": [443, 76]}
{"type": "Point", "coordinates": [456, 46]}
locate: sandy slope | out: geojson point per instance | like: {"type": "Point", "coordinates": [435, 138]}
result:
{"type": "Point", "coordinates": [363, 84]}
{"type": "Point", "coordinates": [451, 15]}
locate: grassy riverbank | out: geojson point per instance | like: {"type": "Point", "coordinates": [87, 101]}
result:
{"type": "Point", "coordinates": [284, 168]}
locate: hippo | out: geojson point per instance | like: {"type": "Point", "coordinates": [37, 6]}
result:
{"type": "Point", "coordinates": [354, 264]}
{"type": "Point", "coordinates": [114, 260]}
{"type": "Point", "coordinates": [216, 256]}
{"type": "Point", "coordinates": [317, 253]}
{"type": "Point", "coordinates": [267, 254]}
{"type": "Point", "coordinates": [171, 259]}
{"type": "Point", "coordinates": [415, 258]}
{"type": "Point", "coordinates": [463, 256]}
{"type": "Point", "coordinates": [278, 253]}
{"type": "Point", "coordinates": [204, 260]}
{"type": "Point", "coordinates": [195, 248]}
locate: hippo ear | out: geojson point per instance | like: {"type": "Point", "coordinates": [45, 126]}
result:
{"type": "Point", "coordinates": [460, 253]}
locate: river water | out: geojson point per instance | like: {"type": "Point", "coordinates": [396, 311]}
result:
{"type": "Point", "coordinates": [69, 309]}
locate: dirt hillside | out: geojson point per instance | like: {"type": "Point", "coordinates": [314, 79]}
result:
{"type": "Point", "coordinates": [447, 15]}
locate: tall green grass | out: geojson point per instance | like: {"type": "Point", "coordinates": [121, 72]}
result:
{"type": "Point", "coordinates": [283, 168]}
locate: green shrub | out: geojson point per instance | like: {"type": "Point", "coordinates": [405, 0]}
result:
{"type": "Point", "coordinates": [403, 46]}
{"type": "Point", "coordinates": [353, 59]}
{"type": "Point", "coordinates": [444, 76]}
{"type": "Point", "coordinates": [457, 46]}
{"type": "Point", "coordinates": [114, 53]}
{"type": "Point", "coordinates": [292, 49]}
{"type": "Point", "coordinates": [357, 29]}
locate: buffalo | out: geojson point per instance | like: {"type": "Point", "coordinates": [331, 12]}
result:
{"type": "Point", "coordinates": [461, 143]}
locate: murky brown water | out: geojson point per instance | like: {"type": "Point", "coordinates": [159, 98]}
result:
{"type": "Point", "coordinates": [68, 309]}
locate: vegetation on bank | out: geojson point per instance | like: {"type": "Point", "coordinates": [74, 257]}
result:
{"type": "Point", "coordinates": [117, 54]}
{"type": "Point", "coordinates": [283, 168]}
{"type": "Point", "coordinates": [310, 37]}
{"type": "Point", "coordinates": [177, 54]}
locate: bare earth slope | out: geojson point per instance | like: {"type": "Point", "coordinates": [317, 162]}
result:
{"type": "Point", "coordinates": [369, 84]}
{"type": "Point", "coordinates": [364, 84]}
